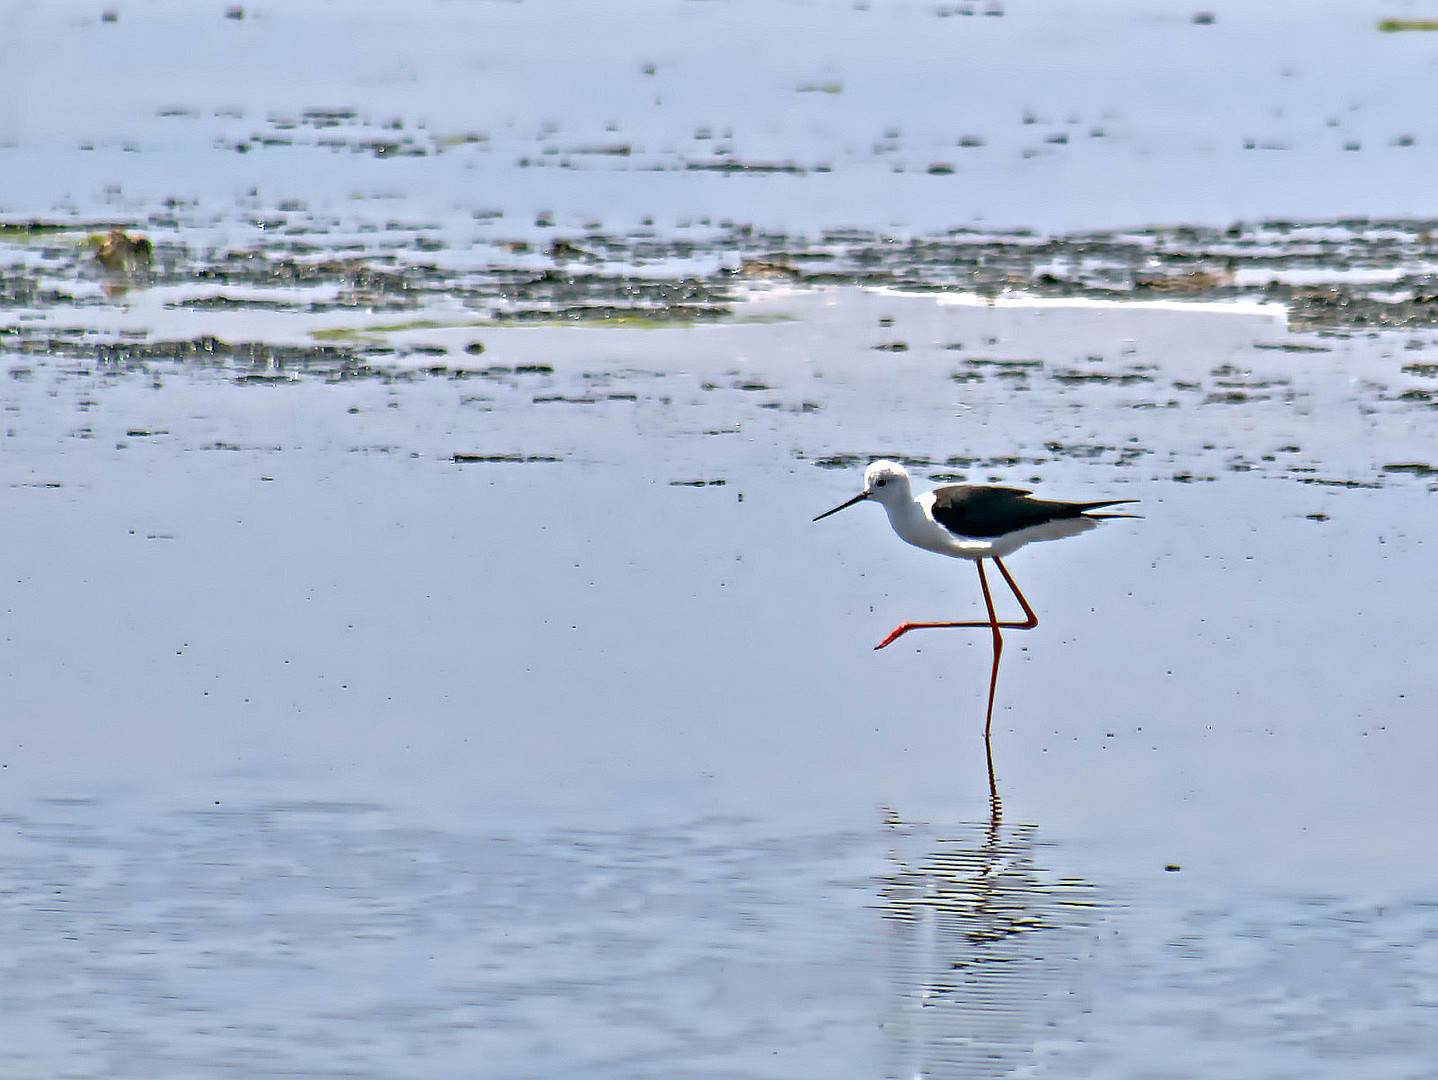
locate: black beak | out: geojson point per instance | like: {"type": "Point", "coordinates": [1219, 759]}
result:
{"type": "Point", "coordinates": [841, 506]}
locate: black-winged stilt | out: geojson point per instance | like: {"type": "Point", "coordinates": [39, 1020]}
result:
{"type": "Point", "coordinates": [969, 521]}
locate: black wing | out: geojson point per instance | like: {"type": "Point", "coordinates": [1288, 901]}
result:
{"type": "Point", "coordinates": [985, 512]}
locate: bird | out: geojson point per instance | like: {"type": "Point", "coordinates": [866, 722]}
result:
{"type": "Point", "coordinates": [978, 522]}
{"type": "Point", "coordinates": [121, 251]}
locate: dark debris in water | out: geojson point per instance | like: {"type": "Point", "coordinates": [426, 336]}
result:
{"type": "Point", "coordinates": [1123, 378]}
{"type": "Point", "coordinates": [461, 458]}
{"type": "Point", "coordinates": [51, 286]}
{"type": "Point", "coordinates": [644, 277]}
{"type": "Point", "coordinates": [250, 362]}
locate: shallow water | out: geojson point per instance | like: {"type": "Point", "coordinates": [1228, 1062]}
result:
{"type": "Point", "coordinates": [336, 939]}
{"type": "Point", "coordinates": [513, 712]}
{"type": "Point", "coordinates": [896, 116]}
{"type": "Point", "coordinates": [418, 658]}
{"type": "Point", "coordinates": [339, 939]}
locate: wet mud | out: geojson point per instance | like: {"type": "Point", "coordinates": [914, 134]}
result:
{"type": "Point", "coordinates": [1335, 275]}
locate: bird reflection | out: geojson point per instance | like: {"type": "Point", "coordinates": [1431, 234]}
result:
{"type": "Point", "coordinates": [982, 946]}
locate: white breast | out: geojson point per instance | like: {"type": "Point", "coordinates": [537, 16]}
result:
{"type": "Point", "coordinates": [912, 522]}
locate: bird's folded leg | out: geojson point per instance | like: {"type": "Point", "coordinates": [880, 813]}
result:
{"type": "Point", "coordinates": [1030, 621]}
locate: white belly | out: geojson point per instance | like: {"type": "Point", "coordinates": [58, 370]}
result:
{"type": "Point", "coordinates": [923, 531]}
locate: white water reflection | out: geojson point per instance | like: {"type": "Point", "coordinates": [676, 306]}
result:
{"type": "Point", "coordinates": [987, 949]}
{"type": "Point", "coordinates": [334, 939]}
{"type": "Point", "coordinates": [342, 939]}
{"type": "Point", "coordinates": [913, 115]}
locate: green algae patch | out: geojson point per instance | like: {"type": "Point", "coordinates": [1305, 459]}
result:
{"type": "Point", "coordinates": [360, 333]}
{"type": "Point", "coordinates": [616, 318]}
{"type": "Point", "coordinates": [1398, 26]}
{"type": "Point", "coordinates": [26, 232]}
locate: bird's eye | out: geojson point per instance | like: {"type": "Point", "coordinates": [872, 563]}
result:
{"type": "Point", "coordinates": [880, 482]}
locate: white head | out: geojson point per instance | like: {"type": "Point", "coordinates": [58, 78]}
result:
{"type": "Point", "coordinates": [885, 482]}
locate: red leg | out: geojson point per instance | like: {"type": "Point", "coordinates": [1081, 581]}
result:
{"type": "Point", "coordinates": [1030, 621]}
{"type": "Point", "coordinates": [998, 649]}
